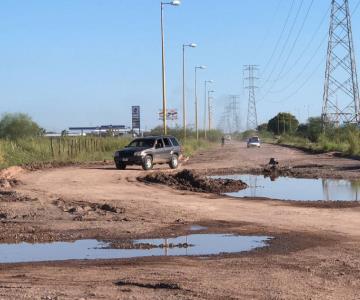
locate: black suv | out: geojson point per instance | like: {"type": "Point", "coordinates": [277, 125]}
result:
{"type": "Point", "coordinates": [148, 151]}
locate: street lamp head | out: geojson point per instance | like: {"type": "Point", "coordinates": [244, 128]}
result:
{"type": "Point", "coordinates": [192, 45]}
{"type": "Point", "coordinates": [200, 67]}
{"type": "Point", "coordinates": [210, 81]}
{"type": "Point", "coordinates": [212, 91]}
{"type": "Point", "coordinates": [175, 2]}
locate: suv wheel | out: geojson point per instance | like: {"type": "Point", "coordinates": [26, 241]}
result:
{"type": "Point", "coordinates": [120, 166]}
{"type": "Point", "coordinates": [174, 162]}
{"type": "Point", "coordinates": [147, 163]}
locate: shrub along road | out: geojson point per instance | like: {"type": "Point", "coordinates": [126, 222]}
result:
{"type": "Point", "coordinates": [314, 253]}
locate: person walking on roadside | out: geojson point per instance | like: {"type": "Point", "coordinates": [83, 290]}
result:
{"type": "Point", "coordinates": [222, 141]}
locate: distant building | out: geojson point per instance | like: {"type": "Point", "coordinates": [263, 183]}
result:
{"type": "Point", "coordinates": [114, 130]}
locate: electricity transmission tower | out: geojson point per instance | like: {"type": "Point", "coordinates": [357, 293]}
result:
{"type": "Point", "coordinates": [230, 120]}
{"type": "Point", "coordinates": [235, 107]}
{"type": "Point", "coordinates": [341, 93]}
{"type": "Point", "coordinates": [251, 78]}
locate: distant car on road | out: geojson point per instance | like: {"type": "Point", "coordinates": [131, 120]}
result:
{"type": "Point", "coordinates": [148, 151]}
{"type": "Point", "coordinates": [254, 142]}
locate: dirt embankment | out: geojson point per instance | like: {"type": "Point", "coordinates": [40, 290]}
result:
{"type": "Point", "coordinates": [192, 181]}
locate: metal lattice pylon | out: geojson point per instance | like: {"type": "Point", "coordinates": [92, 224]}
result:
{"type": "Point", "coordinates": [341, 92]}
{"type": "Point", "coordinates": [252, 122]}
{"type": "Point", "coordinates": [235, 108]}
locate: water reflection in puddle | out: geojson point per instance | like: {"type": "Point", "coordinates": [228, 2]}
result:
{"type": "Point", "coordinates": [297, 189]}
{"type": "Point", "coordinates": [202, 244]}
{"type": "Point", "coordinates": [197, 228]}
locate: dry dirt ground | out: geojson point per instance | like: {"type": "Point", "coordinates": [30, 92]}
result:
{"type": "Point", "coordinates": [314, 255]}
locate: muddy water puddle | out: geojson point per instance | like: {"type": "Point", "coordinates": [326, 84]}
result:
{"type": "Point", "coordinates": [192, 245]}
{"type": "Point", "coordinates": [297, 189]}
{"type": "Point", "coordinates": [197, 228]}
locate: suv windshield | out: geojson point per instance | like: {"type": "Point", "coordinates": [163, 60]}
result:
{"type": "Point", "coordinates": [254, 140]}
{"type": "Point", "coordinates": [142, 143]}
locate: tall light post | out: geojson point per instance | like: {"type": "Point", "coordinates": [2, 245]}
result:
{"type": "Point", "coordinates": [192, 45]}
{"type": "Point", "coordinates": [205, 104]}
{"type": "Point", "coordinates": [196, 101]}
{"type": "Point", "coordinates": [162, 4]}
{"type": "Point", "coordinates": [209, 107]}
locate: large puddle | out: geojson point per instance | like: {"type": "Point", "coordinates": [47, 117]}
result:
{"type": "Point", "coordinates": [196, 244]}
{"type": "Point", "coordinates": [297, 189]}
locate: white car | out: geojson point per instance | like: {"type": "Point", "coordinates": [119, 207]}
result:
{"type": "Point", "coordinates": [254, 142]}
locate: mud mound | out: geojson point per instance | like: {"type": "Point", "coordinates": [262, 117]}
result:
{"type": "Point", "coordinates": [82, 211]}
{"type": "Point", "coordinates": [11, 196]}
{"type": "Point", "coordinates": [11, 172]}
{"type": "Point", "coordinates": [155, 286]}
{"type": "Point", "coordinates": [191, 181]}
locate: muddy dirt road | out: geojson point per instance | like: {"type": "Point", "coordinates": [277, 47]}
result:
{"type": "Point", "coordinates": [314, 253]}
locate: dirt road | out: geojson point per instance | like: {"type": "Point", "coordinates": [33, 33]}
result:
{"type": "Point", "coordinates": [314, 254]}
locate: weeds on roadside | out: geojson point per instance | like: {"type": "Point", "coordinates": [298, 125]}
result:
{"type": "Point", "coordinates": [73, 149]}
{"type": "Point", "coordinates": [62, 149]}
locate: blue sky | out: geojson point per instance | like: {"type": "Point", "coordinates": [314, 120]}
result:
{"type": "Point", "coordinates": [86, 62]}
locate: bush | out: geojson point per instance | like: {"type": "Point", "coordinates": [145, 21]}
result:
{"type": "Point", "coordinates": [15, 126]}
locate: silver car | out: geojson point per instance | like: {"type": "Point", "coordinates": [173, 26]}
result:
{"type": "Point", "coordinates": [254, 142]}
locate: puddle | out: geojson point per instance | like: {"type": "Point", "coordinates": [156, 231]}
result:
{"type": "Point", "coordinates": [298, 189]}
{"type": "Point", "coordinates": [201, 244]}
{"type": "Point", "coordinates": [197, 228]}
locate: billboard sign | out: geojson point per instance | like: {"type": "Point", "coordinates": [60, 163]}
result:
{"type": "Point", "coordinates": [135, 110]}
{"type": "Point", "coordinates": [171, 114]}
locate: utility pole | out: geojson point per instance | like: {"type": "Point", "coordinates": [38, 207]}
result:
{"type": "Point", "coordinates": [284, 123]}
{"type": "Point", "coordinates": [206, 104]}
{"type": "Point", "coordinates": [340, 76]}
{"type": "Point", "coordinates": [209, 108]}
{"type": "Point", "coordinates": [251, 79]}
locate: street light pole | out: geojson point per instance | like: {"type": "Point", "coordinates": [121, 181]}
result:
{"type": "Point", "coordinates": [209, 108]}
{"type": "Point", "coordinates": [192, 45]}
{"type": "Point", "coordinates": [174, 3]}
{"type": "Point", "coordinates": [196, 101]}
{"type": "Point", "coordinates": [205, 105]}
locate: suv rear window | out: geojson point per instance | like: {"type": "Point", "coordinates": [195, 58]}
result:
{"type": "Point", "coordinates": [167, 142]}
{"type": "Point", "coordinates": [142, 143]}
{"type": "Point", "coordinates": [174, 141]}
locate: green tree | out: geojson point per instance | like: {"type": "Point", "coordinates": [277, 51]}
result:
{"type": "Point", "coordinates": [283, 123]}
{"type": "Point", "coordinates": [303, 130]}
{"type": "Point", "coordinates": [18, 125]}
{"type": "Point", "coordinates": [314, 128]}
{"type": "Point", "coordinates": [262, 127]}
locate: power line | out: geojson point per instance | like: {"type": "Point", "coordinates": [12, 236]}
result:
{"type": "Point", "coordinates": [286, 43]}
{"type": "Point", "coordinates": [302, 85]}
{"type": "Point", "coordinates": [307, 46]}
{"type": "Point", "coordinates": [270, 28]}
{"type": "Point", "coordinates": [277, 44]}
{"type": "Point", "coordinates": [356, 7]}
{"type": "Point", "coordinates": [291, 49]}
{"type": "Point", "coordinates": [305, 68]}
{"type": "Point", "coordinates": [296, 39]}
